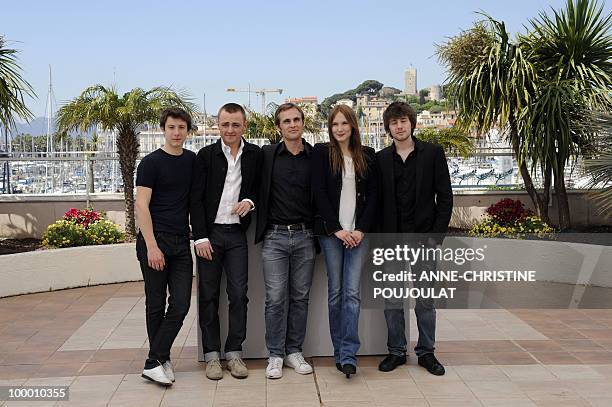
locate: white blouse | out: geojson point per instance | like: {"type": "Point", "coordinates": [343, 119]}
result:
{"type": "Point", "coordinates": [348, 196]}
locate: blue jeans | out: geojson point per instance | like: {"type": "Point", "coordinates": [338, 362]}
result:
{"type": "Point", "coordinates": [343, 295]}
{"type": "Point", "coordinates": [288, 263]}
{"type": "Point", "coordinates": [425, 312]}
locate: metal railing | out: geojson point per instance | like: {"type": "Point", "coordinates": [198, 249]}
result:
{"type": "Point", "coordinates": [93, 172]}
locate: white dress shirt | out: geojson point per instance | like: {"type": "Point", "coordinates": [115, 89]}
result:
{"type": "Point", "coordinates": [231, 189]}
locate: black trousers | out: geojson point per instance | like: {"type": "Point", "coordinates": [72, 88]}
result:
{"type": "Point", "coordinates": [230, 248]}
{"type": "Point", "coordinates": [163, 325]}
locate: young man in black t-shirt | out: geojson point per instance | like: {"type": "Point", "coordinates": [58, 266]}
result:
{"type": "Point", "coordinates": [163, 181]}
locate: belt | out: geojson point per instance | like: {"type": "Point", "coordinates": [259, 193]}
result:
{"type": "Point", "coordinates": [227, 226]}
{"type": "Point", "coordinates": [291, 228]}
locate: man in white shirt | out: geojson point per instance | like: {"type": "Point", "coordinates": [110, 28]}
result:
{"type": "Point", "coordinates": [223, 195]}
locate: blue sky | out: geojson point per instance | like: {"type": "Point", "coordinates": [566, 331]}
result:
{"type": "Point", "coordinates": [308, 48]}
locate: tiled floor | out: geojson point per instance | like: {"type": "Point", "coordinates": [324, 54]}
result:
{"type": "Point", "coordinates": [93, 340]}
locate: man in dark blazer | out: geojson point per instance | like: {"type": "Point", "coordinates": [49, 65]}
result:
{"type": "Point", "coordinates": [284, 224]}
{"type": "Point", "coordinates": [416, 197]}
{"type": "Point", "coordinates": [223, 192]}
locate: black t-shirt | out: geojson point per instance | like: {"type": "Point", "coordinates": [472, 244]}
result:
{"type": "Point", "coordinates": [169, 176]}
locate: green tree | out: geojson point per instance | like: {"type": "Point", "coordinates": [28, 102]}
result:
{"type": "Point", "coordinates": [572, 56]}
{"type": "Point", "coordinates": [102, 106]}
{"type": "Point", "coordinates": [453, 140]}
{"type": "Point", "coordinates": [370, 87]}
{"type": "Point", "coordinates": [13, 91]}
{"type": "Point", "coordinates": [423, 93]}
{"type": "Point", "coordinates": [262, 126]}
{"type": "Point", "coordinates": [490, 81]}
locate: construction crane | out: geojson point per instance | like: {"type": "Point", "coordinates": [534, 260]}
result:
{"type": "Point", "coordinates": [261, 92]}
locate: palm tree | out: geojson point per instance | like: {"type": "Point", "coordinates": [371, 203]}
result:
{"type": "Point", "coordinates": [125, 114]}
{"type": "Point", "coordinates": [13, 91]}
{"type": "Point", "coordinates": [572, 55]}
{"type": "Point", "coordinates": [490, 81]}
{"type": "Point", "coordinates": [263, 125]}
{"type": "Point", "coordinates": [453, 140]}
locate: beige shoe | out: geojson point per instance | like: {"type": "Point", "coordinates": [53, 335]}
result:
{"type": "Point", "coordinates": [214, 371]}
{"type": "Point", "coordinates": [237, 368]}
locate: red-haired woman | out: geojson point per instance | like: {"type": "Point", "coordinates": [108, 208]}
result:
{"type": "Point", "coordinates": [345, 192]}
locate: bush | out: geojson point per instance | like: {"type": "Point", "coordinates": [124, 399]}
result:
{"type": "Point", "coordinates": [510, 218]}
{"type": "Point", "coordinates": [64, 233]}
{"type": "Point", "coordinates": [105, 232]}
{"type": "Point", "coordinates": [82, 228]}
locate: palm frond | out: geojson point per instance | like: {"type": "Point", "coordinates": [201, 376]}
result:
{"type": "Point", "coordinates": [14, 89]}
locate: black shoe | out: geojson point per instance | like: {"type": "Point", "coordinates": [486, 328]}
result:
{"type": "Point", "coordinates": [349, 369]}
{"type": "Point", "coordinates": [391, 362]}
{"type": "Point", "coordinates": [429, 362]}
{"type": "Point", "coordinates": [339, 367]}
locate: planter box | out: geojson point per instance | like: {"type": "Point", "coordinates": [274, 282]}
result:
{"type": "Point", "coordinates": [56, 269]}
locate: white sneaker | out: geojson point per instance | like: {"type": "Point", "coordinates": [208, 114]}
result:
{"type": "Point", "coordinates": [169, 370]}
{"type": "Point", "coordinates": [297, 362]}
{"type": "Point", "coordinates": [157, 375]}
{"type": "Point", "coordinates": [275, 368]}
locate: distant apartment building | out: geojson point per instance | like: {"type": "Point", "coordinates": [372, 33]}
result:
{"type": "Point", "coordinates": [307, 103]}
{"type": "Point", "coordinates": [435, 92]}
{"type": "Point", "coordinates": [436, 120]}
{"type": "Point", "coordinates": [346, 102]}
{"type": "Point", "coordinates": [410, 82]}
{"type": "Point", "coordinates": [372, 108]}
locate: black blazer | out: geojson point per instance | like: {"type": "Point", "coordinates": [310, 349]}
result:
{"type": "Point", "coordinates": [434, 195]}
{"type": "Point", "coordinates": [263, 204]}
{"type": "Point", "coordinates": [327, 187]}
{"type": "Point", "coordinates": [209, 171]}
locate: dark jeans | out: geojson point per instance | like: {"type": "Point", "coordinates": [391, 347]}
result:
{"type": "Point", "coordinates": [163, 325]}
{"type": "Point", "coordinates": [231, 255]}
{"type": "Point", "coordinates": [288, 263]}
{"type": "Point", "coordinates": [425, 312]}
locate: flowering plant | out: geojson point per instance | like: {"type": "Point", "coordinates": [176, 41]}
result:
{"type": "Point", "coordinates": [510, 218]}
{"type": "Point", "coordinates": [508, 211]}
{"type": "Point", "coordinates": [83, 217]}
{"type": "Point", "coordinates": [82, 228]}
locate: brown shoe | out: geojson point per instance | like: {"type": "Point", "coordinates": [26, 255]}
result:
{"type": "Point", "coordinates": [237, 368]}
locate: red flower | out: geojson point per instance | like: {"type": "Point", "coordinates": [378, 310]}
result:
{"type": "Point", "coordinates": [508, 211]}
{"type": "Point", "coordinates": [83, 217]}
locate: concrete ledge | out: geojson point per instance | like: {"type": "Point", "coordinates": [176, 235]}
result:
{"type": "Point", "coordinates": [553, 261]}
{"type": "Point", "coordinates": [56, 269]}
{"type": "Point", "coordinates": [23, 216]}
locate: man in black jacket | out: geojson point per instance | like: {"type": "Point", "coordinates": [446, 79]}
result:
{"type": "Point", "coordinates": [222, 196]}
{"type": "Point", "coordinates": [416, 198]}
{"type": "Point", "coordinates": [284, 223]}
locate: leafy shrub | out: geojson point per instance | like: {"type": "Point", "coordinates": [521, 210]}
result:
{"type": "Point", "coordinates": [104, 232]}
{"type": "Point", "coordinates": [64, 233]}
{"type": "Point", "coordinates": [510, 218]}
{"type": "Point", "coordinates": [82, 228]}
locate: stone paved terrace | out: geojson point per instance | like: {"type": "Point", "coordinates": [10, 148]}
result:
{"type": "Point", "coordinates": [93, 339]}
